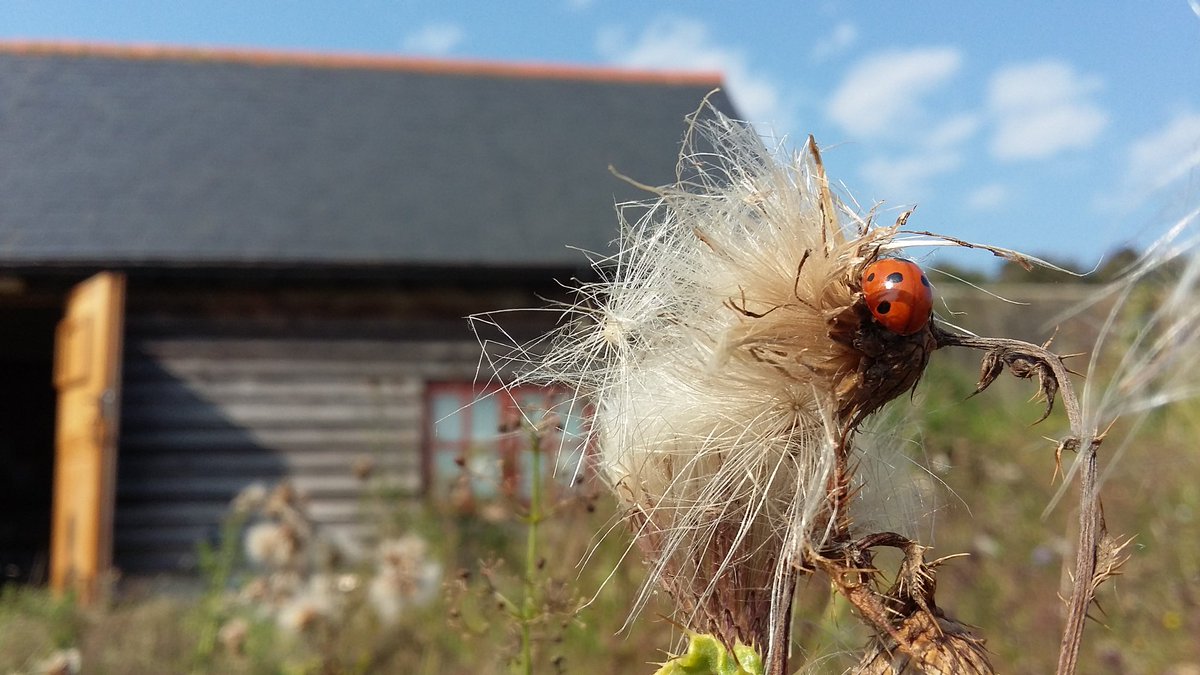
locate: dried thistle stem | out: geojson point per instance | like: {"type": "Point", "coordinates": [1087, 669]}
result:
{"type": "Point", "coordinates": [1091, 532]}
{"type": "Point", "coordinates": [1028, 360]}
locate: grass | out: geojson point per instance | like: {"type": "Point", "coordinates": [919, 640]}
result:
{"type": "Point", "coordinates": [997, 475]}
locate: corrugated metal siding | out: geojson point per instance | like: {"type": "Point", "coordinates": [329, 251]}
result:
{"type": "Point", "coordinates": [211, 406]}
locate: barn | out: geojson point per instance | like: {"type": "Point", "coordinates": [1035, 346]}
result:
{"type": "Point", "coordinates": [225, 267]}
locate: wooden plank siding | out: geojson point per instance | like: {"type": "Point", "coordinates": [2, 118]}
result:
{"type": "Point", "coordinates": [226, 386]}
{"type": "Point", "coordinates": [212, 405]}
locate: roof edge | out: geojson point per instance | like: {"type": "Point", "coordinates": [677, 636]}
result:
{"type": "Point", "coordinates": [397, 273]}
{"type": "Point", "coordinates": [358, 61]}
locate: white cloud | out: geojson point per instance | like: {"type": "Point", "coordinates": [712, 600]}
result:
{"type": "Point", "coordinates": [1168, 157]}
{"type": "Point", "coordinates": [1042, 109]}
{"type": "Point", "coordinates": [1159, 159]}
{"type": "Point", "coordinates": [686, 44]}
{"type": "Point", "coordinates": [986, 197]}
{"type": "Point", "coordinates": [953, 131]}
{"type": "Point", "coordinates": [842, 37]}
{"type": "Point", "coordinates": [435, 38]}
{"type": "Point", "coordinates": [885, 90]}
{"type": "Point", "coordinates": [905, 179]}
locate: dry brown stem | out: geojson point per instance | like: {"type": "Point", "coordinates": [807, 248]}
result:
{"type": "Point", "coordinates": [732, 610]}
{"type": "Point", "coordinates": [912, 634]}
{"type": "Point", "coordinates": [1027, 360]}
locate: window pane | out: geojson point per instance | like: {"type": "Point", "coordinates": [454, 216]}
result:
{"type": "Point", "coordinates": [484, 465]}
{"type": "Point", "coordinates": [447, 418]}
{"type": "Point", "coordinates": [445, 471]}
{"type": "Point", "coordinates": [485, 418]}
{"type": "Point", "coordinates": [486, 430]}
{"type": "Point", "coordinates": [531, 399]}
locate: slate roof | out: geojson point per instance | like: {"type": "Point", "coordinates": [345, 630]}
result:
{"type": "Point", "coordinates": [166, 157]}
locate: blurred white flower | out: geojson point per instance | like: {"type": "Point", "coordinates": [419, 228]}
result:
{"type": "Point", "coordinates": [348, 583]}
{"type": "Point", "coordinates": [271, 545]}
{"type": "Point", "coordinates": [251, 498]}
{"type": "Point", "coordinates": [319, 601]}
{"type": "Point", "coordinates": [299, 615]}
{"type": "Point", "coordinates": [61, 662]}
{"type": "Point", "coordinates": [406, 577]}
{"type": "Point", "coordinates": [233, 635]}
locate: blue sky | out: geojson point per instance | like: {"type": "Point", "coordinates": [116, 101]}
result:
{"type": "Point", "coordinates": [1065, 128]}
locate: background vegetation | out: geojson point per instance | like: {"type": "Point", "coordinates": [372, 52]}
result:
{"type": "Point", "coordinates": [988, 474]}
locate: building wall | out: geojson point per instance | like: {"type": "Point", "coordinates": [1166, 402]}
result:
{"type": "Point", "coordinates": [224, 390]}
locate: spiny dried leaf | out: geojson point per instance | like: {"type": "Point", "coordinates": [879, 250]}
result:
{"type": "Point", "coordinates": [1111, 556]}
{"type": "Point", "coordinates": [989, 370]}
{"type": "Point", "coordinates": [912, 634]}
{"type": "Point", "coordinates": [932, 645]}
{"type": "Point", "coordinates": [1024, 360]}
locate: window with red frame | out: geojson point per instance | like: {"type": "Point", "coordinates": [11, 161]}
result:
{"type": "Point", "coordinates": [479, 437]}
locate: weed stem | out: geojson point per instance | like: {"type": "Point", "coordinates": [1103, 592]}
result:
{"type": "Point", "coordinates": [529, 606]}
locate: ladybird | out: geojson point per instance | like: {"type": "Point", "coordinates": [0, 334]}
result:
{"type": "Point", "coordinates": [898, 295]}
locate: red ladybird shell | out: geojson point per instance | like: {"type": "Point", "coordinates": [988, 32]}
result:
{"type": "Point", "coordinates": [898, 295]}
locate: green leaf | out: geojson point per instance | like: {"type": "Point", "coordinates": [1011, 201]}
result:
{"type": "Point", "coordinates": [706, 655]}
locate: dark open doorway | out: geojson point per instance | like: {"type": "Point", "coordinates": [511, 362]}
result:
{"type": "Point", "coordinates": [27, 412]}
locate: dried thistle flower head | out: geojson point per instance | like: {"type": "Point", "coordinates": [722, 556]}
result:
{"type": "Point", "coordinates": [272, 546]}
{"type": "Point", "coordinates": [233, 635]}
{"type": "Point", "coordinates": [729, 354]}
{"type": "Point", "coordinates": [747, 326]}
{"type": "Point", "coordinates": [406, 577]}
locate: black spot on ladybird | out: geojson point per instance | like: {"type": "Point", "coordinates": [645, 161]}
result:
{"type": "Point", "coordinates": [883, 307]}
{"type": "Point", "coordinates": [871, 276]}
{"type": "Point", "coordinates": [924, 281]}
{"type": "Point", "coordinates": [895, 277]}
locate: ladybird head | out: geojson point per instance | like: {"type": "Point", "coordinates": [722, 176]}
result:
{"type": "Point", "coordinates": [898, 295]}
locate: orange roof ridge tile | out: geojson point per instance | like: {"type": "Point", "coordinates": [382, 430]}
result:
{"type": "Point", "coordinates": [359, 61]}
